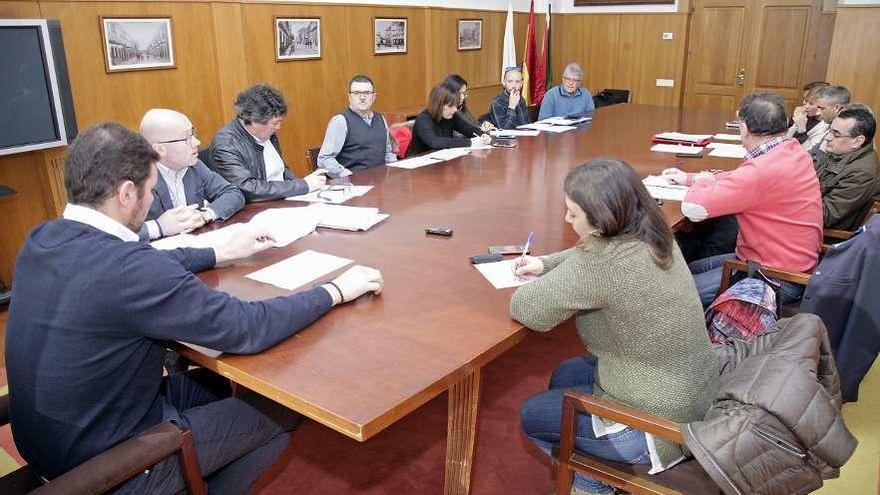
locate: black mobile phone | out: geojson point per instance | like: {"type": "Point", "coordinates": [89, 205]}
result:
{"type": "Point", "coordinates": [506, 249]}
{"type": "Point", "coordinates": [444, 231]}
{"type": "Point", "coordinates": [688, 155]}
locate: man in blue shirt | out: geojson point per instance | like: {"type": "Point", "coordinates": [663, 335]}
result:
{"type": "Point", "coordinates": [92, 309]}
{"type": "Point", "coordinates": [568, 99]}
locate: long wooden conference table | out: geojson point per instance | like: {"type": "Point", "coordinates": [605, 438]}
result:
{"type": "Point", "coordinates": [438, 322]}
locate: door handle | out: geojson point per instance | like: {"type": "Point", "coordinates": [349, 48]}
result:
{"type": "Point", "coordinates": [741, 78]}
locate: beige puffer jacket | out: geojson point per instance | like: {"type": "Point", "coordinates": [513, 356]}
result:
{"type": "Point", "coordinates": [775, 426]}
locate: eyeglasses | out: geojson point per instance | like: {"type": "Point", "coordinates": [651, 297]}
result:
{"type": "Point", "coordinates": [327, 195]}
{"type": "Point", "coordinates": [571, 79]}
{"type": "Point", "coordinates": [837, 134]}
{"type": "Point", "coordinates": [362, 93]}
{"type": "Point", "coordinates": [188, 139]}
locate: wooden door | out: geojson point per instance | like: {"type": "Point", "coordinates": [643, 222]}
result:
{"type": "Point", "coordinates": [738, 47]}
{"type": "Point", "coordinates": [719, 42]}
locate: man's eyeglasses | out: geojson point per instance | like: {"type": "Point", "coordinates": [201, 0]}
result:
{"type": "Point", "coordinates": [571, 79]}
{"type": "Point", "coordinates": [362, 93]}
{"type": "Point", "coordinates": [331, 193]}
{"type": "Point", "coordinates": [837, 134]}
{"type": "Point", "coordinates": [188, 139]}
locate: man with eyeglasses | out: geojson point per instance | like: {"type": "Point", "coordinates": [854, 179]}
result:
{"type": "Point", "coordinates": [847, 169]}
{"type": "Point", "coordinates": [568, 99]}
{"type": "Point", "coordinates": [357, 138]}
{"type": "Point", "coordinates": [188, 194]}
{"type": "Point", "coordinates": [246, 152]}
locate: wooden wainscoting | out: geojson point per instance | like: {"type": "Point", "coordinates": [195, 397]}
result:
{"type": "Point", "coordinates": [853, 61]}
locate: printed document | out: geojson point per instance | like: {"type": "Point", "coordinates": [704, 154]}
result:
{"type": "Point", "coordinates": [284, 224]}
{"type": "Point", "coordinates": [677, 148]}
{"type": "Point", "coordinates": [414, 162]}
{"type": "Point", "coordinates": [679, 136]}
{"type": "Point", "coordinates": [728, 137]}
{"type": "Point", "coordinates": [500, 274]}
{"type": "Point", "coordinates": [346, 217]}
{"type": "Point", "coordinates": [298, 270]}
{"type": "Point", "coordinates": [661, 188]}
{"type": "Point", "coordinates": [727, 150]}
{"type": "Point", "coordinates": [333, 194]}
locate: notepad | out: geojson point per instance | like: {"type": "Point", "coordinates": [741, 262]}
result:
{"type": "Point", "coordinates": [352, 218]}
{"type": "Point", "coordinates": [728, 137]}
{"type": "Point", "coordinates": [333, 194]}
{"type": "Point", "coordinates": [677, 148]}
{"type": "Point", "coordinates": [727, 150]}
{"type": "Point", "coordinates": [500, 274]}
{"type": "Point", "coordinates": [680, 137]}
{"type": "Point", "coordinates": [298, 270]}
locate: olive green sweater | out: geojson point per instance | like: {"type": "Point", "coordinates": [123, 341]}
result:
{"type": "Point", "coordinates": [644, 324]}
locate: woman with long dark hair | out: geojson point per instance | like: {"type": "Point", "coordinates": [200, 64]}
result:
{"type": "Point", "coordinates": [637, 312]}
{"type": "Point", "coordinates": [457, 84]}
{"type": "Point", "coordinates": [434, 127]}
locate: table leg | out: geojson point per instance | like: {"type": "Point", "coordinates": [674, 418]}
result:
{"type": "Point", "coordinates": [461, 429]}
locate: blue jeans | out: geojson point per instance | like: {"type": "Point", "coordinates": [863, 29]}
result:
{"type": "Point", "coordinates": [541, 417]}
{"type": "Point", "coordinates": [707, 277]}
{"type": "Point", "coordinates": [236, 438]}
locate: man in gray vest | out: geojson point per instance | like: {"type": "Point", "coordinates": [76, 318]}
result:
{"type": "Point", "coordinates": [357, 138]}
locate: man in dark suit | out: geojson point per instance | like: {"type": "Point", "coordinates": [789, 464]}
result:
{"type": "Point", "coordinates": [188, 193]}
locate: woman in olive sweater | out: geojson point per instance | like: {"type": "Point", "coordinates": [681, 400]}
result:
{"type": "Point", "coordinates": [433, 127]}
{"type": "Point", "coordinates": [636, 310]}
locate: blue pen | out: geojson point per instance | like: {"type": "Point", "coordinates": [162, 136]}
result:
{"type": "Point", "coordinates": [522, 257]}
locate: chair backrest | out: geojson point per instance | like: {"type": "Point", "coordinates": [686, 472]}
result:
{"type": "Point", "coordinates": [608, 97]}
{"type": "Point", "coordinates": [534, 110]}
{"type": "Point", "coordinates": [312, 157]}
{"type": "Point", "coordinates": [205, 156]}
{"type": "Point", "coordinates": [402, 135]}
{"type": "Point", "coordinates": [109, 469]}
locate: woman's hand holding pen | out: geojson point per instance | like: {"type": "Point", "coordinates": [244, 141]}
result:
{"type": "Point", "coordinates": [478, 140]}
{"type": "Point", "coordinates": [528, 266]}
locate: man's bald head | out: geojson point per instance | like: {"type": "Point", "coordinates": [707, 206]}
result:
{"type": "Point", "coordinates": [172, 135]}
{"type": "Point", "coordinates": [162, 124]}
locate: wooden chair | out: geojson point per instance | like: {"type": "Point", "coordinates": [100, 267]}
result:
{"type": "Point", "coordinates": [534, 110]}
{"type": "Point", "coordinates": [833, 235]}
{"type": "Point", "coordinates": [685, 478]}
{"type": "Point", "coordinates": [109, 469]}
{"type": "Point", "coordinates": [312, 157]}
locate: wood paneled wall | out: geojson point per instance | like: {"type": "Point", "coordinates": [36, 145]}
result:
{"type": "Point", "coordinates": [854, 62]}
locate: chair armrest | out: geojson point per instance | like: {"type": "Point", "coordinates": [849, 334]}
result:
{"type": "Point", "coordinates": [661, 427]}
{"type": "Point", "coordinates": [732, 265]}
{"type": "Point", "coordinates": [121, 462]}
{"type": "Point", "coordinates": [840, 235]}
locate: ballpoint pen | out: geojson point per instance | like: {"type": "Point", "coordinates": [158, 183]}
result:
{"type": "Point", "coordinates": [522, 257]}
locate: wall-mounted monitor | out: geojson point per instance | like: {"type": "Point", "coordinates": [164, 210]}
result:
{"type": "Point", "coordinates": [36, 106]}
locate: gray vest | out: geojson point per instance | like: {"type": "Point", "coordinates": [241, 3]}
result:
{"type": "Point", "coordinates": [364, 145]}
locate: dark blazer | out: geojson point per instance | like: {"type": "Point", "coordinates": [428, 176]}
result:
{"type": "Point", "coordinates": [199, 184]}
{"type": "Point", "coordinates": [237, 156]}
{"type": "Point", "coordinates": [843, 291]}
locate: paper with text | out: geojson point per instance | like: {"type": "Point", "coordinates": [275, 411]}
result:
{"type": "Point", "coordinates": [414, 162]}
{"type": "Point", "coordinates": [333, 194]}
{"type": "Point", "coordinates": [500, 274]}
{"type": "Point", "coordinates": [728, 137]}
{"type": "Point", "coordinates": [298, 270]}
{"type": "Point", "coordinates": [677, 148]}
{"type": "Point", "coordinates": [727, 150]}
{"type": "Point", "coordinates": [352, 218]}
{"type": "Point", "coordinates": [448, 153]}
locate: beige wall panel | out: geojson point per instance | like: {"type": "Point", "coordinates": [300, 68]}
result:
{"type": "Point", "coordinates": [592, 41]}
{"type": "Point", "coordinates": [854, 62]}
{"type": "Point", "coordinates": [123, 97]}
{"type": "Point", "coordinates": [231, 58]}
{"type": "Point", "coordinates": [645, 57]}
{"type": "Point", "coordinates": [19, 10]}
{"type": "Point", "coordinates": [713, 101]}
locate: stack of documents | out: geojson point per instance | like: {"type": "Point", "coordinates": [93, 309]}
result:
{"type": "Point", "coordinates": [502, 133]}
{"type": "Point", "coordinates": [677, 148]}
{"type": "Point", "coordinates": [681, 138]}
{"type": "Point", "coordinates": [285, 225]}
{"type": "Point", "coordinates": [661, 188]}
{"type": "Point", "coordinates": [333, 194]}
{"type": "Point", "coordinates": [352, 218]}
{"type": "Point", "coordinates": [539, 126]}
{"type": "Point", "coordinates": [431, 158]}
{"type": "Point", "coordinates": [565, 120]}
{"type": "Point", "coordinates": [727, 150]}
{"type": "Point", "coordinates": [728, 137]}
{"type": "Point", "coordinates": [298, 270]}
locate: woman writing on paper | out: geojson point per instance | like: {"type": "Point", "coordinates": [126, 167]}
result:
{"type": "Point", "coordinates": [636, 310]}
{"type": "Point", "coordinates": [433, 127]}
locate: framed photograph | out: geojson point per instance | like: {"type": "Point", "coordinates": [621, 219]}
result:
{"type": "Point", "coordinates": [470, 34]}
{"type": "Point", "coordinates": [137, 43]}
{"type": "Point", "coordinates": [297, 38]}
{"type": "Point", "coordinates": [389, 35]}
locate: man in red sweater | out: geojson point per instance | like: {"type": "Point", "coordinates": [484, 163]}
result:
{"type": "Point", "coordinates": [774, 194]}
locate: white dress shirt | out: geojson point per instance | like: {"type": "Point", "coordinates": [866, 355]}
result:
{"type": "Point", "coordinates": [98, 220]}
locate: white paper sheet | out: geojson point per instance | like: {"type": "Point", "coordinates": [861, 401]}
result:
{"type": "Point", "coordinates": [286, 224]}
{"type": "Point", "coordinates": [680, 136]}
{"type": "Point", "coordinates": [548, 127]}
{"type": "Point", "coordinates": [728, 137]}
{"type": "Point", "coordinates": [671, 193]}
{"type": "Point", "coordinates": [514, 132]}
{"type": "Point", "coordinates": [656, 180]}
{"type": "Point", "coordinates": [352, 218]}
{"type": "Point", "coordinates": [481, 147]}
{"type": "Point", "coordinates": [563, 121]}
{"type": "Point", "coordinates": [211, 353]}
{"type": "Point", "coordinates": [448, 153]}
{"type": "Point", "coordinates": [298, 270]}
{"type": "Point", "coordinates": [727, 150]}
{"type": "Point", "coordinates": [677, 148]}
{"type": "Point", "coordinates": [333, 194]}
{"type": "Point", "coordinates": [500, 274]}
{"type": "Point", "coordinates": [414, 162]}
